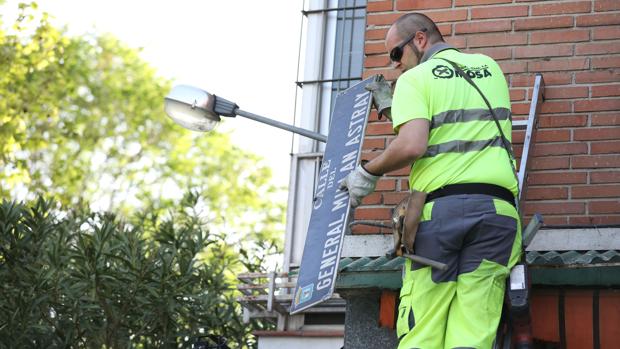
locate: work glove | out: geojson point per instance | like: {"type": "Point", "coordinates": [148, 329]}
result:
{"type": "Point", "coordinates": [381, 96]}
{"type": "Point", "coordinates": [359, 183]}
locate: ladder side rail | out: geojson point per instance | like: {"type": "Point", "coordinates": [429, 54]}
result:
{"type": "Point", "coordinates": [532, 120]}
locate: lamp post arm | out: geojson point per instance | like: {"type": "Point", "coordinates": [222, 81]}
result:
{"type": "Point", "coordinates": [314, 135]}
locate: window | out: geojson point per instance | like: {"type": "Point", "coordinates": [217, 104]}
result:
{"type": "Point", "coordinates": [332, 62]}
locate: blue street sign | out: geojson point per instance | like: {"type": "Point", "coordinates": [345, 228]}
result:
{"type": "Point", "coordinates": [330, 212]}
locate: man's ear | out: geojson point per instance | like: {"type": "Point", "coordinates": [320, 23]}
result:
{"type": "Point", "coordinates": [421, 39]}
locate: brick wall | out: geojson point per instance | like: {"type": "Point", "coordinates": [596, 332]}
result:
{"type": "Point", "coordinates": [575, 173]}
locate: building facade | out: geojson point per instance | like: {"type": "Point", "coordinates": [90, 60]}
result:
{"type": "Point", "coordinates": [574, 177]}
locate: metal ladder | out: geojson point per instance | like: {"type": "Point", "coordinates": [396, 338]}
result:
{"type": "Point", "coordinates": [516, 314]}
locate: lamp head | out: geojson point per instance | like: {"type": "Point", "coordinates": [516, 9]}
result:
{"type": "Point", "coordinates": [192, 108]}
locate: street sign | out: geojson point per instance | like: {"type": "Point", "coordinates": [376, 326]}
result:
{"type": "Point", "coordinates": [330, 212]}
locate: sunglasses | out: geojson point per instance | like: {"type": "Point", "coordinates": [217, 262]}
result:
{"type": "Point", "coordinates": [397, 52]}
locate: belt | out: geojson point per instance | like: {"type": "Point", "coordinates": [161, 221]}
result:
{"type": "Point", "coordinates": [473, 188]}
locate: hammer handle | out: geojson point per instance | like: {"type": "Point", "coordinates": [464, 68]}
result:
{"type": "Point", "coordinates": [426, 261]}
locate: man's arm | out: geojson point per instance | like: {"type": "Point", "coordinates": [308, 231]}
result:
{"type": "Point", "coordinates": [409, 145]}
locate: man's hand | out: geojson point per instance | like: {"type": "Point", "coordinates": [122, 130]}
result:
{"type": "Point", "coordinates": [381, 96]}
{"type": "Point", "coordinates": [359, 183]}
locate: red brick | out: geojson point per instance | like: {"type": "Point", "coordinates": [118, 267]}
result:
{"type": "Point", "coordinates": [372, 199]}
{"type": "Point", "coordinates": [394, 198]}
{"type": "Point", "coordinates": [561, 8]}
{"type": "Point", "coordinates": [564, 177]}
{"type": "Point", "coordinates": [518, 136]}
{"type": "Point", "coordinates": [376, 61]}
{"type": "Point", "coordinates": [389, 74]}
{"type": "Point", "coordinates": [379, 128]}
{"type": "Point", "coordinates": [598, 19]}
{"type": "Point", "coordinates": [597, 48]}
{"type": "Point", "coordinates": [447, 16]}
{"type": "Point", "coordinates": [361, 229]}
{"type": "Point", "coordinates": [403, 5]}
{"type": "Point", "coordinates": [517, 95]}
{"type": "Point", "coordinates": [527, 80]}
{"type": "Point", "coordinates": [603, 33]}
{"type": "Point", "coordinates": [543, 51]}
{"type": "Point", "coordinates": [595, 191]}
{"type": "Point", "coordinates": [499, 11]}
{"type": "Point", "coordinates": [557, 208]}
{"type": "Point", "coordinates": [520, 108]}
{"type": "Point", "coordinates": [565, 92]}
{"type": "Point", "coordinates": [605, 119]}
{"type": "Point", "coordinates": [597, 104]}
{"type": "Point", "coordinates": [374, 47]}
{"type": "Point", "coordinates": [480, 2]}
{"type": "Point", "coordinates": [545, 37]}
{"type": "Point", "coordinates": [558, 64]}
{"type": "Point", "coordinates": [373, 116]}
{"type": "Point", "coordinates": [404, 185]}
{"type": "Point", "coordinates": [553, 107]}
{"type": "Point", "coordinates": [606, 5]}
{"type": "Point", "coordinates": [606, 90]}
{"type": "Point", "coordinates": [385, 184]}
{"type": "Point", "coordinates": [456, 41]}
{"type": "Point", "coordinates": [509, 67]}
{"type": "Point", "coordinates": [593, 220]}
{"type": "Point", "coordinates": [596, 133]}
{"type": "Point", "coordinates": [570, 120]}
{"type": "Point", "coordinates": [550, 163]}
{"type": "Point", "coordinates": [612, 147]}
{"type": "Point", "coordinates": [445, 29]}
{"type": "Point", "coordinates": [494, 40]}
{"type": "Point", "coordinates": [598, 207]}
{"type": "Point", "coordinates": [605, 177]}
{"type": "Point", "coordinates": [382, 19]}
{"type": "Point", "coordinates": [483, 27]}
{"type": "Point", "coordinates": [372, 213]}
{"type": "Point", "coordinates": [606, 62]}
{"type": "Point", "coordinates": [376, 34]}
{"type": "Point", "coordinates": [544, 23]}
{"type": "Point", "coordinates": [548, 193]}
{"type": "Point", "coordinates": [373, 143]}
{"type": "Point", "coordinates": [518, 151]}
{"type": "Point", "coordinates": [560, 149]}
{"type": "Point", "coordinates": [497, 53]}
{"type": "Point", "coordinates": [548, 136]}
{"type": "Point", "coordinates": [378, 6]}
{"type": "Point", "coordinates": [595, 161]}
{"type": "Point", "coordinates": [611, 75]}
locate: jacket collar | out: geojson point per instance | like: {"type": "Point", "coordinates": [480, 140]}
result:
{"type": "Point", "coordinates": [435, 49]}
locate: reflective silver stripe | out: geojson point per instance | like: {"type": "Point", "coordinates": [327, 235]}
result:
{"type": "Point", "coordinates": [462, 115]}
{"type": "Point", "coordinates": [461, 146]}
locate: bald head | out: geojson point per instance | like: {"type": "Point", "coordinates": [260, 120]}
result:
{"type": "Point", "coordinates": [413, 22]}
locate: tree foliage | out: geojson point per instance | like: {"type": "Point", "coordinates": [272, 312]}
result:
{"type": "Point", "coordinates": [81, 119]}
{"type": "Point", "coordinates": [92, 280]}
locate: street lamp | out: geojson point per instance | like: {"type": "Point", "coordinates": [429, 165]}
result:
{"type": "Point", "coordinates": [198, 110]}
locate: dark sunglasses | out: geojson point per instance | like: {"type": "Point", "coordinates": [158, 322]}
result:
{"type": "Point", "coordinates": [396, 53]}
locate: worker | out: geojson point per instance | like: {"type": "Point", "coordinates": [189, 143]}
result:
{"type": "Point", "coordinates": [460, 160]}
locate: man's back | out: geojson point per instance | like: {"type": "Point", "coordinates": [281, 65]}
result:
{"type": "Point", "coordinates": [464, 144]}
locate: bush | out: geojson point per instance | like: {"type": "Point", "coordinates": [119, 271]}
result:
{"type": "Point", "coordinates": [82, 279]}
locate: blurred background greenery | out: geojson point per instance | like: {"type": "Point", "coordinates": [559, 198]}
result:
{"type": "Point", "coordinates": [82, 131]}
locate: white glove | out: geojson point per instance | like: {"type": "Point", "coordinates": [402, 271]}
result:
{"type": "Point", "coordinates": [381, 97]}
{"type": "Point", "coordinates": [359, 183]}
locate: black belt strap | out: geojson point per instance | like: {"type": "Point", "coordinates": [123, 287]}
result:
{"type": "Point", "coordinates": [473, 188]}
